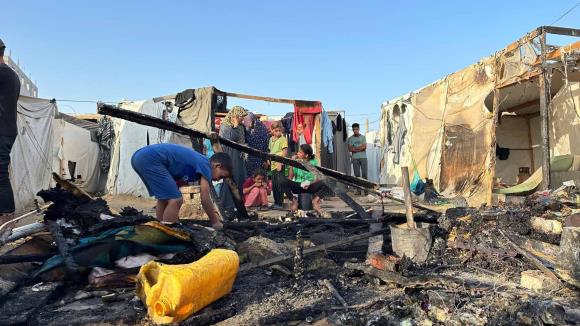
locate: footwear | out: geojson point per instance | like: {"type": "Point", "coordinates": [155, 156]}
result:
{"type": "Point", "coordinates": [263, 208]}
{"type": "Point", "coordinates": [275, 206]}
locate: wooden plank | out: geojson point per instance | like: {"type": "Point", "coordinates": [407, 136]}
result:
{"type": "Point", "coordinates": [322, 247]}
{"type": "Point", "coordinates": [260, 98]}
{"type": "Point", "coordinates": [561, 30]}
{"type": "Point", "coordinates": [544, 123]}
{"type": "Point", "coordinates": [531, 258]}
{"type": "Point", "coordinates": [531, 142]}
{"type": "Point", "coordinates": [408, 198]}
{"type": "Point", "coordinates": [144, 119]}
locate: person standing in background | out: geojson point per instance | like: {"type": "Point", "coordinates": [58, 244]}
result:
{"type": "Point", "coordinates": [278, 145]}
{"type": "Point", "coordinates": [9, 93]}
{"type": "Point", "coordinates": [232, 129]}
{"type": "Point", "coordinates": [357, 145]}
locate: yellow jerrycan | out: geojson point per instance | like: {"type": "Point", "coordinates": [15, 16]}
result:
{"type": "Point", "coordinates": [174, 292]}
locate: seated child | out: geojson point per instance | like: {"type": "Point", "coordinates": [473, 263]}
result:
{"type": "Point", "coordinates": [256, 190]}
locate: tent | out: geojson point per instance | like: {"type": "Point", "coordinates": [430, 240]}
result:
{"type": "Point", "coordinates": [33, 150]}
{"type": "Point", "coordinates": [129, 137]}
{"type": "Point", "coordinates": [477, 127]}
{"type": "Point", "coordinates": [76, 155]}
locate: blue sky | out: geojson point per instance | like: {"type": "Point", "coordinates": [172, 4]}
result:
{"type": "Point", "coordinates": [350, 55]}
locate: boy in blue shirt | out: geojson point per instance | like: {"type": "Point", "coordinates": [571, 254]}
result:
{"type": "Point", "coordinates": [165, 167]}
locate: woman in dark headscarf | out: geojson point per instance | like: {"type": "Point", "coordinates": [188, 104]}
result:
{"type": "Point", "coordinates": [257, 136]}
{"type": "Point", "coordinates": [231, 128]}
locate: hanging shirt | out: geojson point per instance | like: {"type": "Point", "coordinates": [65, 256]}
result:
{"type": "Point", "coordinates": [356, 141]}
{"type": "Point", "coordinates": [327, 132]}
{"type": "Point", "coordinates": [276, 147]}
{"type": "Point", "coordinates": [303, 175]}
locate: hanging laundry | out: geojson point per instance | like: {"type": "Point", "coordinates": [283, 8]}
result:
{"type": "Point", "coordinates": [399, 140]}
{"type": "Point", "coordinates": [304, 113]}
{"type": "Point", "coordinates": [327, 133]}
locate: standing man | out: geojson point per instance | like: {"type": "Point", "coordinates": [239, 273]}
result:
{"type": "Point", "coordinates": [9, 92]}
{"type": "Point", "coordinates": [357, 145]}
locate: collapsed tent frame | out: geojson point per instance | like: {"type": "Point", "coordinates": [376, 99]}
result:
{"type": "Point", "coordinates": [460, 107]}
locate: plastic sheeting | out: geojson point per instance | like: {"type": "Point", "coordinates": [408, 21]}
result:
{"type": "Point", "coordinates": [130, 137]}
{"type": "Point", "coordinates": [73, 144]}
{"type": "Point", "coordinates": [31, 157]}
{"type": "Point", "coordinates": [565, 121]}
{"type": "Point", "coordinates": [448, 133]}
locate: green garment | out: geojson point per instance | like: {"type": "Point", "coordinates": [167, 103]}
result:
{"type": "Point", "coordinates": [276, 147]}
{"type": "Point", "coordinates": [302, 175]}
{"type": "Point", "coordinates": [356, 142]}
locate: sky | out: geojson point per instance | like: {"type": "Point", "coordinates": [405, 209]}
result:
{"type": "Point", "coordinates": [350, 55]}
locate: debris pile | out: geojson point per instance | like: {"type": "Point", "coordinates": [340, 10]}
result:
{"type": "Point", "coordinates": [491, 265]}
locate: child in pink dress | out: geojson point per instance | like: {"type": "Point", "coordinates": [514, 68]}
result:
{"type": "Point", "coordinates": [256, 190]}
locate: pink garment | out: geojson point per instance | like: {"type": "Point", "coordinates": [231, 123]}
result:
{"type": "Point", "coordinates": [256, 197]}
{"type": "Point", "coordinates": [304, 113]}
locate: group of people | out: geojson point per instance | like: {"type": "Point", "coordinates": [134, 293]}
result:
{"type": "Point", "coordinates": [163, 168]}
{"type": "Point", "coordinates": [259, 178]}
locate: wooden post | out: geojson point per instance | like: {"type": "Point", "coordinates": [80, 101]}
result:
{"type": "Point", "coordinates": [544, 105]}
{"type": "Point", "coordinates": [408, 200]}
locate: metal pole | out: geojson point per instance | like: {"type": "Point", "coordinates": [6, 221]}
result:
{"type": "Point", "coordinates": [408, 200]}
{"type": "Point", "coordinates": [544, 106]}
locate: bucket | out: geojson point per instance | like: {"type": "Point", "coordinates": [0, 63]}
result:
{"type": "Point", "coordinates": [305, 201]}
{"type": "Point", "coordinates": [413, 243]}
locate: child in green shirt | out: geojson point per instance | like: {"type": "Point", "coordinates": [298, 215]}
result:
{"type": "Point", "coordinates": [278, 145]}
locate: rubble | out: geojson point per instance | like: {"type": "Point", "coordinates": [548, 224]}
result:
{"type": "Point", "coordinates": [485, 266]}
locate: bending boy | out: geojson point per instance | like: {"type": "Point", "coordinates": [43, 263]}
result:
{"type": "Point", "coordinates": [165, 167]}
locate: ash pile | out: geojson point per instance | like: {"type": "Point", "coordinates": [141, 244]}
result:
{"type": "Point", "coordinates": [506, 265]}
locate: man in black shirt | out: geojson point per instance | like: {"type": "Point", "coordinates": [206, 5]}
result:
{"type": "Point", "coordinates": [9, 92]}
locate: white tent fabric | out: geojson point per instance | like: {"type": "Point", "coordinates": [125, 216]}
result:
{"type": "Point", "coordinates": [31, 157]}
{"type": "Point", "coordinates": [73, 143]}
{"type": "Point", "coordinates": [374, 153]}
{"type": "Point", "coordinates": [129, 137]}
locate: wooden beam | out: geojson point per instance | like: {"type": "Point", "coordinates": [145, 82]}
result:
{"type": "Point", "coordinates": [561, 30]}
{"type": "Point", "coordinates": [558, 52]}
{"type": "Point", "coordinates": [322, 247]}
{"type": "Point", "coordinates": [544, 124]}
{"type": "Point", "coordinates": [148, 120]}
{"type": "Point", "coordinates": [531, 143]}
{"type": "Point", "coordinates": [521, 106]}
{"type": "Point", "coordinates": [408, 199]}
{"type": "Point", "coordinates": [260, 98]}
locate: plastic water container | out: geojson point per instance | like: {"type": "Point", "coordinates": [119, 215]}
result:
{"type": "Point", "coordinates": [174, 292]}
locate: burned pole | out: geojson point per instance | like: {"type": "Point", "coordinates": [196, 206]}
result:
{"type": "Point", "coordinates": [408, 199]}
{"type": "Point", "coordinates": [544, 106]}
{"type": "Point", "coordinates": [148, 120]}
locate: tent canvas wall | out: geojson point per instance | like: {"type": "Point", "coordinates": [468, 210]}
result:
{"type": "Point", "coordinates": [447, 130]}
{"type": "Point", "coordinates": [130, 137]}
{"type": "Point", "coordinates": [31, 157]}
{"type": "Point", "coordinates": [73, 144]}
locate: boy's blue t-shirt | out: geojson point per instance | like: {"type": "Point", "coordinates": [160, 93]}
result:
{"type": "Point", "coordinates": [183, 163]}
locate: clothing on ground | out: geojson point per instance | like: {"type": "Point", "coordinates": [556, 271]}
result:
{"type": "Point", "coordinates": [360, 167]}
{"type": "Point", "coordinates": [276, 147]}
{"type": "Point", "coordinates": [292, 188]}
{"type": "Point", "coordinates": [160, 166]}
{"type": "Point", "coordinates": [6, 194]}
{"type": "Point", "coordinates": [356, 141]}
{"type": "Point", "coordinates": [301, 175]}
{"type": "Point", "coordinates": [9, 93]}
